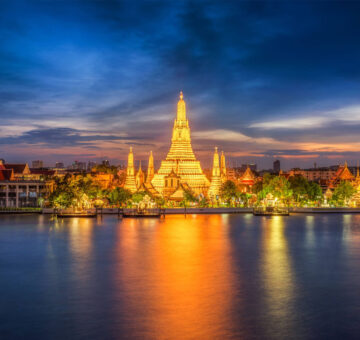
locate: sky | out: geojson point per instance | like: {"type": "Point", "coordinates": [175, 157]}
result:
{"type": "Point", "coordinates": [85, 80]}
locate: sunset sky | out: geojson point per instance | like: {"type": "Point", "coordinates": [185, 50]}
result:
{"type": "Point", "coordinates": [84, 80]}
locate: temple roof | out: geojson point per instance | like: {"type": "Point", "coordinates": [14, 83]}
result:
{"type": "Point", "coordinates": [248, 177]}
{"type": "Point", "coordinates": [6, 174]}
{"type": "Point", "coordinates": [342, 174]}
{"type": "Point", "coordinates": [178, 195]}
{"type": "Point", "coordinates": [346, 173]}
{"type": "Point", "coordinates": [18, 168]}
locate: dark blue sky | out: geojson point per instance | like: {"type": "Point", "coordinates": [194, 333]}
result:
{"type": "Point", "coordinates": [87, 79]}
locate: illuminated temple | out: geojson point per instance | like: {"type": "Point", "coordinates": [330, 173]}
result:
{"type": "Point", "coordinates": [180, 170]}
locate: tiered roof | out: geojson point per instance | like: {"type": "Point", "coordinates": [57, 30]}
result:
{"type": "Point", "coordinates": [342, 174]}
{"type": "Point", "coordinates": [248, 178]}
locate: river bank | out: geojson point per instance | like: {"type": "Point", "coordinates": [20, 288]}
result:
{"type": "Point", "coordinates": [182, 211]}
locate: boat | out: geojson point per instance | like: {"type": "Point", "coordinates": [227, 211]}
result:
{"type": "Point", "coordinates": [65, 214]}
{"type": "Point", "coordinates": [76, 215]}
{"type": "Point", "coordinates": [143, 213]}
{"type": "Point", "coordinates": [271, 211]}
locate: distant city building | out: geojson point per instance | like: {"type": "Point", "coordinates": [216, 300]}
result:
{"type": "Point", "coordinates": [37, 164]}
{"type": "Point", "coordinates": [91, 165]}
{"type": "Point", "coordinates": [59, 165]}
{"type": "Point", "coordinates": [276, 166]}
{"type": "Point", "coordinates": [252, 167]}
{"type": "Point", "coordinates": [315, 174]}
{"type": "Point", "coordinates": [232, 174]}
{"type": "Point", "coordinates": [105, 162]}
{"type": "Point", "coordinates": [81, 166]}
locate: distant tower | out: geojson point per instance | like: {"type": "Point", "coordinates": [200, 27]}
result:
{"type": "Point", "coordinates": [223, 167]}
{"type": "Point", "coordinates": [140, 177]}
{"type": "Point", "coordinates": [130, 183]}
{"type": "Point", "coordinates": [150, 170]}
{"type": "Point", "coordinates": [276, 166]}
{"type": "Point", "coordinates": [216, 182]}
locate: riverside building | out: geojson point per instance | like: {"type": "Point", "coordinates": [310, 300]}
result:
{"type": "Point", "coordinates": [18, 189]}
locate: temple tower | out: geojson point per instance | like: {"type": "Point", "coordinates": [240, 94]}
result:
{"type": "Point", "coordinates": [150, 170]}
{"type": "Point", "coordinates": [181, 159]}
{"type": "Point", "coordinates": [216, 181]}
{"type": "Point", "coordinates": [223, 167]}
{"type": "Point", "coordinates": [130, 182]}
{"type": "Point", "coordinates": [140, 177]}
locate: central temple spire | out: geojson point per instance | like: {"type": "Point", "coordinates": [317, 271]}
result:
{"type": "Point", "coordinates": [181, 141]}
{"type": "Point", "coordinates": [181, 109]}
{"type": "Point", "coordinates": [181, 159]}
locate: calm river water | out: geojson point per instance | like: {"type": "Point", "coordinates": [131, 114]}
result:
{"type": "Point", "coordinates": [199, 277]}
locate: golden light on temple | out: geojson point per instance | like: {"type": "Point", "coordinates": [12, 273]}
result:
{"type": "Point", "coordinates": [180, 171]}
{"type": "Point", "coordinates": [216, 181]}
{"type": "Point", "coordinates": [130, 182]}
{"type": "Point", "coordinates": [181, 160]}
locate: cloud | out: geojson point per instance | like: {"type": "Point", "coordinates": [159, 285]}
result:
{"type": "Point", "coordinates": [256, 75]}
{"type": "Point", "coordinates": [345, 115]}
{"type": "Point", "coordinates": [59, 137]}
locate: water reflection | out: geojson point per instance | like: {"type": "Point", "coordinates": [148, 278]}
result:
{"type": "Point", "coordinates": [182, 287]}
{"type": "Point", "coordinates": [310, 235]}
{"type": "Point", "coordinates": [80, 237]}
{"type": "Point", "coordinates": [278, 279]}
{"type": "Point", "coordinates": [199, 277]}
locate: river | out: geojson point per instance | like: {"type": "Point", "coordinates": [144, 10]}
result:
{"type": "Point", "coordinates": [194, 277]}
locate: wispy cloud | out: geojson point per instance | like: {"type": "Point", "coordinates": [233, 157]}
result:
{"type": "Point", "coordinates": [347, 115]}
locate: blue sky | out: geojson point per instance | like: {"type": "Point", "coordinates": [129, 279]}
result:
{"type": "Point", "coordinates": [82, 80]}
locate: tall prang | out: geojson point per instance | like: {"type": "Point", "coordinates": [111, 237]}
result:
{"type": "Point", "coordinates": [216, 181]}
{"type": "Point", "coordinates": [150, 170]}
{"type": "Point", "coordinates": [181, 159]}
{"type": "Point", "coordinates": [223, 167]}
{"type": "Point", "coordinates": [130, 182]}
{"type": "Point", "coordinates": [139, 178]}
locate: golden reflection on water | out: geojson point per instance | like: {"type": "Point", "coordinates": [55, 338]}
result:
{"type": "Point", "coordinates": [309, 226]}
{"type": "Point", "coordinates": [278, 277]}
{"type": "Point", "coordinates": [80, 234]}
{"type": "Point", "coordinates": [177, 279]}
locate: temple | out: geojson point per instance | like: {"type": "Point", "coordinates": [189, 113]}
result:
{"type": "Point", "coordinates": [180, 170]}
{"type": "Point", "coordinates": [130, 182]}
{"type": "Point", "coordinates": [140, 178]}
{"type": "Point", "coordinates": [342, 174]}
{"type": "Point", "coordinates": [150, 170]}
{"type": "Point", "coordinates": [216, 178]}
{"type": "Point", "coordinates": [223, 168]}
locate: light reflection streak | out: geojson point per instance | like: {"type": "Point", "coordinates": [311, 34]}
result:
{"type": "Point", "coordinates": [80, 237]}
{"type": "Point", "coordinates": [279, 278]}
{"type": "Point", "coordinates": [183, 284]}
{"type": "Point", "coordinates": [309, 225]}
